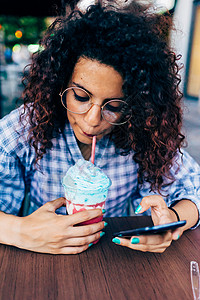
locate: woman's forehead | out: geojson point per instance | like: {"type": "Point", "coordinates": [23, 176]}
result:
{"type": "Point", "coordinates": [95, 76]}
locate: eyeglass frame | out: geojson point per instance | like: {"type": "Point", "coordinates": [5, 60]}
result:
{"type": "Point", "coordinates": [101, 106]}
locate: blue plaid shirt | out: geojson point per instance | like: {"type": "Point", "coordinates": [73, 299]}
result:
{"type": "Point", "coordinates": [17, 172]}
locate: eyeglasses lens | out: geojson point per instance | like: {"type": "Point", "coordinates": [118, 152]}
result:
{"type": "Point", "coordinates": [116, 112]}
{"type": "Point", "coordinates": [78, 101]}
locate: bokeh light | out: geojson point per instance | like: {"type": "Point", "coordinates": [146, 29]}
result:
{"type": "Point", "coordinates": [16, 48]}
{"type": "Point", "coordinates": [33, 48]}
{"type": "Point", "coordinates": [18, 34]}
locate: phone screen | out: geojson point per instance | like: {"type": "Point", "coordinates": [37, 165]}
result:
{"type": "Point", "coordinates": [150, 230]}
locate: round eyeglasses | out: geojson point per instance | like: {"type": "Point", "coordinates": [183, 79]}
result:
{"type": "Point", "coordinates": [78, 101]}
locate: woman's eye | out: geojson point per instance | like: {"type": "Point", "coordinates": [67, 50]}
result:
{"type": "Point", "coordinates": [81, 98]}
{"type": "Point", "coordinates": [112, 108]}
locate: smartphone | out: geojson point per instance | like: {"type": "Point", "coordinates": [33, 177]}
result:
{"type": "Point", "coordinates": [150, 230]}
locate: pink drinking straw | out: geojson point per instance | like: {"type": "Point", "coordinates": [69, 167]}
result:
{"type": "Point", "coordinates": [94, 139]}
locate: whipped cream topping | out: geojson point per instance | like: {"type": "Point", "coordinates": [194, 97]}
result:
{"type": "Point", "coordinates": [85, 183]}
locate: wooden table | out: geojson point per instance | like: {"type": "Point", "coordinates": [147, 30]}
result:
{"type": "Point", "coordinates": [105, 271]}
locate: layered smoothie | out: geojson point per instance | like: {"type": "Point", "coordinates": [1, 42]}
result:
{"type": "Point", "coordinates": [86, 187]}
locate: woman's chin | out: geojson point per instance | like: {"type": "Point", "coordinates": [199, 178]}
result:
{"type": "Point", "coordinates": [82, 138]}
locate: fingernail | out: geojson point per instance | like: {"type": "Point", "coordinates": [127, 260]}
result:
{"type": "Point", "coordinates": [178, 237]}
{"type": "Point", "coordinates": [138, 209]}
{"type": "Point", "coordinates": [105, 224]}
{"type": "Point", "coordinates": [116, 241]}
{"type": "Point", "coordinates": [103, 211]}
{"type": "Point", "coordinates": [102, 234]}
{"type": "Point", "coordinates": [135, 241]}
{"type": "Point", "coordinates": [90, 245]}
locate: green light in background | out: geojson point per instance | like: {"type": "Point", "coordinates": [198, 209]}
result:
{"type": "Point", "coordinates": [16, 48]}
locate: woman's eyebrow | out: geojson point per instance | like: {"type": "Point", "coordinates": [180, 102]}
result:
{"type": "Point", "coordinates": [107, 99]}
{"type": "Point", "coordinates": [80, 86]}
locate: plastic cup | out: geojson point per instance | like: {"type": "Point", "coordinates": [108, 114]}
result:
{"type": "Point", "coordinates": [72, 195]}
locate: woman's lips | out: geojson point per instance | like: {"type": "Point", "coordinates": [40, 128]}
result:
{"type": "Point", "coordinates": [90, 135]}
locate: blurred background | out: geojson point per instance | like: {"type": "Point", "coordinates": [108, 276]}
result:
{"type": "Point", "coordinates": [22, 24]}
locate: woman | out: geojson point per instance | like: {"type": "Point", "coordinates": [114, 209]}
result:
{"type": "Point", "coordinates": [108, 73]}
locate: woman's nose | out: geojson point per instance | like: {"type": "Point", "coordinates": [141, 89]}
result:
{"type": "Point", "coordinates": [93, 116]}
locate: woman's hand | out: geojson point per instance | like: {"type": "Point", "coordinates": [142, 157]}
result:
{"type": "Point", "coordinates": [47, 232]}
{"type": "Point", "coordinates": [160, 215]}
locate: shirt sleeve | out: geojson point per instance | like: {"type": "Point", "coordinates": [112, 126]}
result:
{"type": "Point", "coordinates": [12, 184]}
{"type": "Point", "coordinates": [186, 185]}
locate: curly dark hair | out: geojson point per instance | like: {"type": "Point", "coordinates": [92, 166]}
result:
{"type": "Point", "coordinates": [134, 41]}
